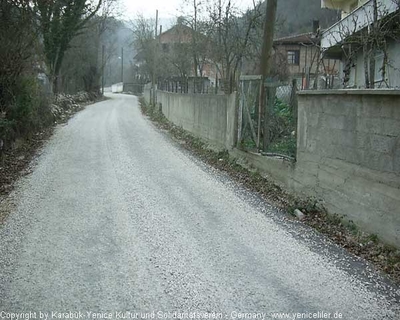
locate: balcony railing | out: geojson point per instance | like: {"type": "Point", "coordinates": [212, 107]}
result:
{"type": "Point", "coordinates": [357, 20]}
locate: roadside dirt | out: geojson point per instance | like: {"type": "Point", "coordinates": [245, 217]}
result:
{"type": "Point", "coordinates": [17, 162]}
{"type": "Point", "coordinates": [346, 234]}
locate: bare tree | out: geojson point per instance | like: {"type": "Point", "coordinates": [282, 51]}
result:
{"type": "Point", "coordinates": [178, 55]}
{"type": "Point", "coordinates": [145, 44]}
{"type": "Point", "coordinates": [195, 19]}
{"type": "Point", "coordinates": [231, 34]}
{"type": "Point", "coordinates": [90, 50]}
{"type": "Point", "coordinates": [367, 38]}
{"type": "Point", "coordinates": [84, 60]}
{"type": "Point", "coordinates": [60, 22]}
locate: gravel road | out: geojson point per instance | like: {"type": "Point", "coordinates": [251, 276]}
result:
{"type": "Point", "coordinates": [116, 218]}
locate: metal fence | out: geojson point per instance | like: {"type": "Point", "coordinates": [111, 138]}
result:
{"type": "Point", "coordinates": [268, 127]}
{"type": "Point", "coordinates": [196, 85]}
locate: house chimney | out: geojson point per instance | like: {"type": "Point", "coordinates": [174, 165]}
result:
{"type": "Point", "coordinates": [315, 26]}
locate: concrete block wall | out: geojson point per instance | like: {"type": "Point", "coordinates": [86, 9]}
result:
{"type": "Point", "coordinates": [348, 149]}
{"type": "Point", "coordinates": [208, 116]}
{"type": "Point", "coordinates": [348, 156]}
{"type": "Point", "coordinates": [147, 92]}
{"type": "Point", "coordinates": [117, 87]}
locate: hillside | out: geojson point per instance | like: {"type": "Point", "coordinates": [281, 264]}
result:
{"type": "Point", "coordinates": [296, 16]}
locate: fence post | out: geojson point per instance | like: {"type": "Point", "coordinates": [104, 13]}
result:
{"type": "Point", "coordinates": [293, 99]}
{"type": "Point", "coordinates": [271, 94]}
{"type": "Point", "coordinates": [240, 114]}
{"type": "Point", "coordinates": [260, 111]}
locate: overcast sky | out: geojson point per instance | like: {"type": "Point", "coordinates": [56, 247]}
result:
{"type": "Point", "coordinates": [168, 10]}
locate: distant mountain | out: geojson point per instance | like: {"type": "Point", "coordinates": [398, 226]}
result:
{"type": "Point", "coordinates": [296, 16]}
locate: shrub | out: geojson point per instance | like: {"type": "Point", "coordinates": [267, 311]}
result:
{"type": "Point", "coordinates": [6, 132]}
{"type": "Point", "coordinates": [282, 125]}
{"type": "Point", "coordinates": [29, 110]}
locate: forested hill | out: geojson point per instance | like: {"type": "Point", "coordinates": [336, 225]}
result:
{"type": "Point", "coordinates": [296, 16]}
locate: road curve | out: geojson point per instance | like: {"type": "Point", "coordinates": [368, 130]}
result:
{"type": "Point", "coordinates": [116, 218]}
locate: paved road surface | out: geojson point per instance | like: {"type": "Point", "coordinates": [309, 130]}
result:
{"type": "Point", "coordinates": [116, 218]}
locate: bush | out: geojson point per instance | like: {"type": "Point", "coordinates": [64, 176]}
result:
{"type": "Point", "coordinates": [23, 106]}
{"type": "Point", "coordinates": [28, 112]}
{"type": "Point", "coordinates": [6, 132]}
{"type": "Point", "coordinates": [282, 126]}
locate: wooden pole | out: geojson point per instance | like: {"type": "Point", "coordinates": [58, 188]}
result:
{"type": "Point", "coordinates": [102, 69]}
{"type": "Point", "coordinates": [122, 64]}
{"type": "Point", "coordinates": [155, 61]}
{"type": "Point", "coordinates": [266, 62]}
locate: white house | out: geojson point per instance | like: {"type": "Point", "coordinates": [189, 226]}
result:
{"type": "Point", "coordinates": [346, 40]}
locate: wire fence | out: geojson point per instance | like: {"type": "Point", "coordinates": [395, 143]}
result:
{"type": "Point", "coordinates": [268, 127]}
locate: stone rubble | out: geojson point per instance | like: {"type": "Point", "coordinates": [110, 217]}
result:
{"type": "Point", "coordinates": [65, 104]}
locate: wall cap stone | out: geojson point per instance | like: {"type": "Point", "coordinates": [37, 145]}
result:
{"type": "Point", "coordinates": [391, 92]}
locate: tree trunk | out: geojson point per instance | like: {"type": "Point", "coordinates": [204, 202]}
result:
{"type": "Point", "coordinates": [54, 84]}
{"type": "Point", "coordinates": [373, 35]}
{"type": "Point", "coordinates": [372, 69]}
{"type": "Point", "coordinates": [366, 58]}
{"type": "Point", "coordinates": [315, 85]}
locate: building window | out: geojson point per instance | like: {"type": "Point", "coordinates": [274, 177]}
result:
{"type": "Point", "coordinates": [379, 60]}
{"type": "Point", "coordinates": [293, 57]}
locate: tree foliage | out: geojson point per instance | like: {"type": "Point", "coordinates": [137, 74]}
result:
{"type": "Point", "coordinates": [232, 32]}
{"type": "Point", "coordinates": [22, 105]}
{"type": "Point", "coordinates": [145, 44]}
{"type": "Point", "coordinates": [17, 46]}
{"type": "Point", "coordinates": [84, 62]}
{"type": "Point", "coordinates": [59, 22]}
{"type": "Point", "coordinates": [36, 36]}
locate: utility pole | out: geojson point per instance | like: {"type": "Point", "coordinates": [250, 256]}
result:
{"type": "Point", "coordinates": [102, 69]}
{"type": "Point", "coordinates": [153, 85]}
{"type": "Point", "coordinates": [219, 45]}
{"type": "Point", "coordinates": [194, 42]}
{"type": "Point", "coordinates": [122, 64]}
{"type": "Point", "coordinates": [265, 65]}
